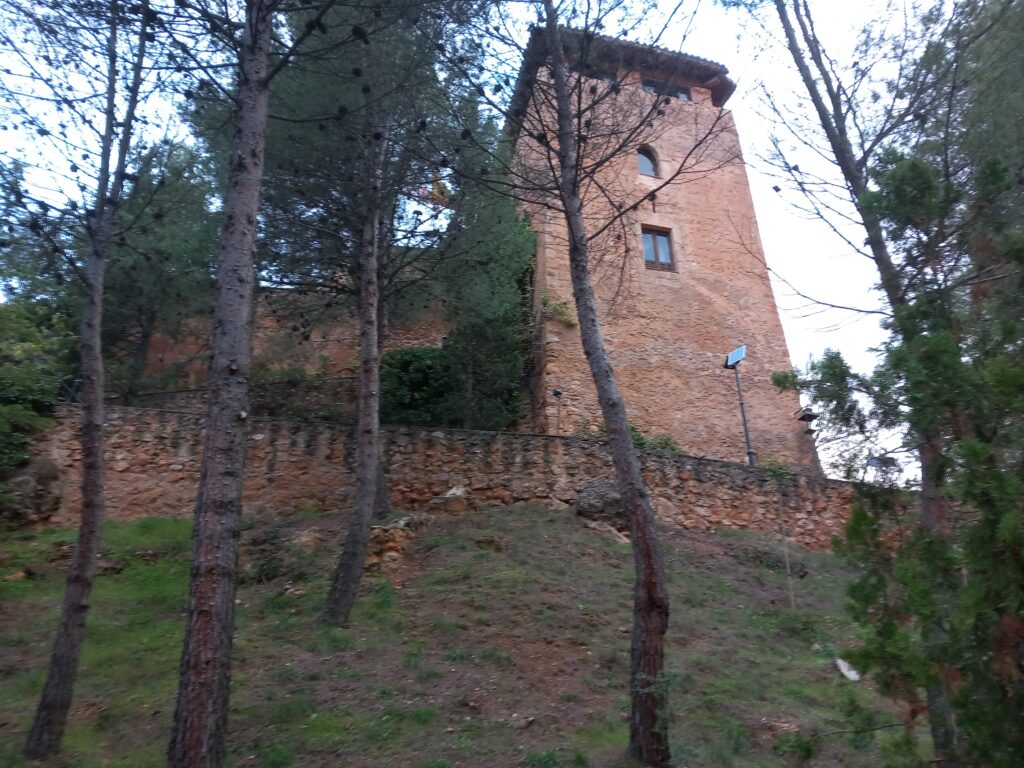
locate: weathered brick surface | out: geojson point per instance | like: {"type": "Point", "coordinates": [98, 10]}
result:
{"type": "Point", "coordinates": [153, 468]}
{"type": "Point", "coordinates": [667, 333]}
{"type": "Point", "coordinates": [332, 345]}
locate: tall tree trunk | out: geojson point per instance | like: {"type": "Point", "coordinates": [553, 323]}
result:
{"type": "Point", "coordinates": [648, 731]}
{"type": "Point", "coordinates": [140, 357]}
{"type": "Point", "coordinates": [941, 714]}
{"type": "Point", "coordinates": [345, 583]}
{"type": "Point", "coordinates": [833, 116]}
{"type": "Point", "coordinates": [47, 730]}
{"type": "Point", "coordinates": [382, 501]}
{"type": "Point", "coordinates": [200, 717]}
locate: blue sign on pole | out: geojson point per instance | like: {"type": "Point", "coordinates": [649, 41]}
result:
{"type": "Point", "coordinates": [735, 356]}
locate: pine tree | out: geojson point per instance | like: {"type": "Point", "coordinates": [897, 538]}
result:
{"type": "Point", "coordinates": [91, 122]}
{"type": "Point", "coordinates": [160, 276]}
{"type": "Point", "coordinates": [940, 595]}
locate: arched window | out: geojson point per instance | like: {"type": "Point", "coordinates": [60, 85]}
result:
{"type": "Point", "coordinates": [646, 162]}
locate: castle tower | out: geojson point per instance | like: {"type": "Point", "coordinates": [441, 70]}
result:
{"type": "Point", "coordinates": [680, 278]}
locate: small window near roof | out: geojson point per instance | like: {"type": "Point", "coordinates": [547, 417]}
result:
{"type": "Point", "coordinates": [646, 162]}
{"type": "Point", "coordinates": [658, 249]}
{"type": "Point", "coordinates": [664, 89]}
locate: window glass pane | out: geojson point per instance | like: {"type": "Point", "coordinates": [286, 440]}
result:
{"type": "Point", "coordinates": [664, 252]}
{"type": "Point", "coordinates": [645, 160]}
{"type": "Point", "coordinates": [649, 246]}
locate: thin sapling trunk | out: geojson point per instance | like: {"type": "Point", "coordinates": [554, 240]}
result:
{"type": "Point", "coordinates": [648, 730]}
{"type": "Point", "coordinates": [345, 582]}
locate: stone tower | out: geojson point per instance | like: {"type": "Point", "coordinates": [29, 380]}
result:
{"type": "Point", "coordinates": [678, 268]}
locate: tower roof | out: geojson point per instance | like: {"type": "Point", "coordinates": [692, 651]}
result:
{"type": "Point", "coordinates": [602, 51]}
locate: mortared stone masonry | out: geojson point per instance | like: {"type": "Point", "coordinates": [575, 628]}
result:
{"type": "Point", "coordinates": [153, 469]}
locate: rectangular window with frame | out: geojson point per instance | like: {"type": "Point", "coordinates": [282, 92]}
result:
{"type": "Point", "coordinates": [658, 249]}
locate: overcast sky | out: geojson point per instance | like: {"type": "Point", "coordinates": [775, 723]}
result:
{"type": "Point", "coordinates": [801, 250]}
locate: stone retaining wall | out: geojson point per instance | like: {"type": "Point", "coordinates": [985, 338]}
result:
{"type": "Point", "coordinates": [153, 467]}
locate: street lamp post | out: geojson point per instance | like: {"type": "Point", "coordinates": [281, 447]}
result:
{"type": "Point", "coordinates": [733, 361]}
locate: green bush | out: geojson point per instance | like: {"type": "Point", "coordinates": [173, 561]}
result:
{"type": "Point", "coordinates": [559, 311]}
{"type": "Point", "coordinates": [661, 443]}
{"type": "Point", "coordinates": [292, 393]}
{"type": "Point", "coordinates": [29, 382]}
{"type": "Point", "coordinates": [656, 443]}
{"type": "Point", "coordinates": [414, 385]}
{"type": "Point", "coordinates": [440, 387]}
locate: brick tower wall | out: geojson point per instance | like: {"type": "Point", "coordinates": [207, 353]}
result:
{"type": "Point", "coordinates": [668, 332]}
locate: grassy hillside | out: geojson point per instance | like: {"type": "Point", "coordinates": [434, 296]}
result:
{"type": "Point", "coordinates": [501, 639]}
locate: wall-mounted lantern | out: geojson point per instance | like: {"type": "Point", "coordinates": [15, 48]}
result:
{"type": "Point", "coordinates": [806, 415]}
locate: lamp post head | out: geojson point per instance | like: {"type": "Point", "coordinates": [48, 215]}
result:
{"type": "Point", "coordinates": [734, 357]}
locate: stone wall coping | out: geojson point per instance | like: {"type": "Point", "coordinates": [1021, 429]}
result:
{"type": "Point", "coordinates": [677, 458]}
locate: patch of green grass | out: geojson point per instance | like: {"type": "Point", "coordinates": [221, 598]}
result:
{"type": "Point", "coordinates": [286, 673]}
{"type": "Point", "coordinates": [543, 760]}
{"type": "Point", "coordinates": [606, 734]}
{"type": "Point", "coordinates": [379, 610]}
{"type": "Point", "coordinates": [276, 756]}
{"type": "Point", "coordinates": [449, 577]}
{"type": "Point", "coordinates": [731, 736]}
{"type": "Point", "coordinates": [495, 656]}
{"type": "Point", "coordinates": [149, 537]}
{"type": "Point", "coordinates": [331, 640]}
{"type": "Point", "coordinates": [310, 513]}
{"type": "Point", "coordinates": [447, 626]}
{"type": "Point", "coordinates": [291, 707]}
{"type": "Point", "coordinates": [491, 580]}
{"type": "Point", "coordinates": [413, 657]}
{"type": "Point", "coordinates": [795, 744]}
{"type": "Point", "coordinates": [364, 732]}
{"type": "Point", "coordinates": [423, 715]}
{"type": "Point", "coordinates": [138, 616]}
